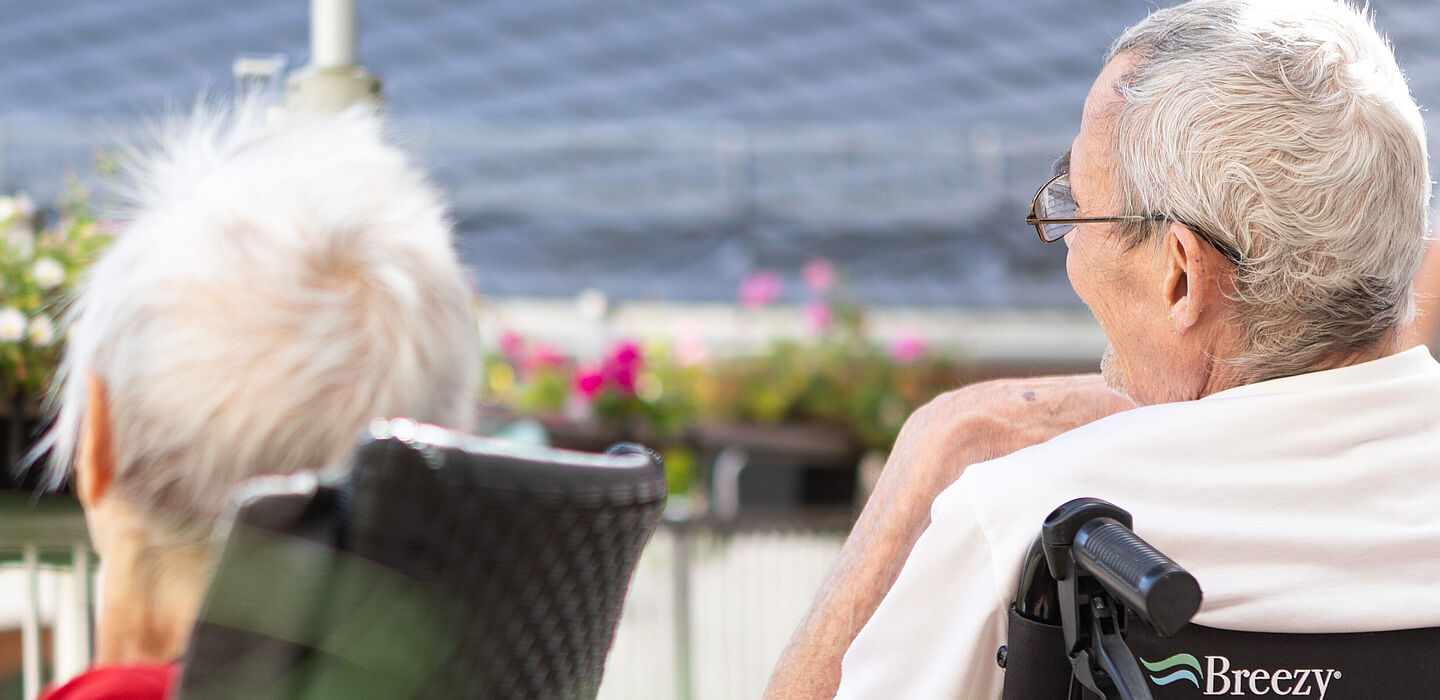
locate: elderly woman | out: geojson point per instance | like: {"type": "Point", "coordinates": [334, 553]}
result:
{"type": "Point", "coordinates": [278, 284]}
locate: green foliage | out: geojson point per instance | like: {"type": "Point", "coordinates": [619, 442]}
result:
{"type": "Point", "coordinates": [839, 378]}
{"type": "Point", "coordinates": [838, 381]}
{"type": "Point", "coordinates": [41, 264]}
{"type": "Point", "coordinates": [680, 465]}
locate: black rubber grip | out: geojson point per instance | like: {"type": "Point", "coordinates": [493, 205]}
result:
{"type": "Point", "coordinates": [1151, 584]}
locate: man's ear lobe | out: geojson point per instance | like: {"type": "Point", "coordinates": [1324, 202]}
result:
{"type": "Point", "coordinates": [95, 460]}
{"type": "Point", "coordinates": [1186, 274]}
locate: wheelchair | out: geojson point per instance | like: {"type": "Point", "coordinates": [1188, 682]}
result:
{"type": "Point", "coordinates": [433, 565]}
{"type": "Point", "coordinates": [1102, 614]}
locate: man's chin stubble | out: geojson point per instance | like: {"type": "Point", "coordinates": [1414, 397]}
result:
{"type": "Point", "coordinates": [1112, 375]}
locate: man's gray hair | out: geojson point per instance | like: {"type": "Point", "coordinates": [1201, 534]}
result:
{"type": "Point", "coordinates": [277, 284]}
{"type": "Point", "coordinates": [1284, 130]}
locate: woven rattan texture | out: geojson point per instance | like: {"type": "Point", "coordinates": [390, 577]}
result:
{"type": "Point", "coordinates": [535, 580]}
{"type": "Point", "coordinates": [428, 571]}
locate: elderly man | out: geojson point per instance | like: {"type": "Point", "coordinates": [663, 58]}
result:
{"type": "Point", "coordinates": [279, 284]}
{"type": "Point", "coordinates": [1244, 208]}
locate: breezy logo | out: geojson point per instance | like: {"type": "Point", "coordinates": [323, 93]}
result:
{"type": "Point", "coordinates": [1220, 679]}
{"type": "Point", "coordinates": [1167, 675]}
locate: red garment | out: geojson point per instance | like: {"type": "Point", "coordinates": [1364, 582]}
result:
{"type": "Point", "coordinates": [139, 682]}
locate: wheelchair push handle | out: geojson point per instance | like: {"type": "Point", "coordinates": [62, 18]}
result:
{"type": "Point", "coordinates": [1088, 572]}
{"type": "Point", "coordinates": [1094, 536]}
{"type": "Point", "coordinates": [1151, 584]}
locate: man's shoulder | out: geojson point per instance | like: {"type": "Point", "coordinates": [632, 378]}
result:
{"type": "Point", "coordinates": [1008, 497]}
{"type": "Point", "coordinates": [1310, 430]}
{"type": "Point", "coordinates": [1133, 457]}
{"type": "Point", "coordinates": [1394, 395]}
{"type": "Point", "coordinates": [1124, 436]}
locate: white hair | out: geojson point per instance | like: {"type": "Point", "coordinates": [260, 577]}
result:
{"type": "Point", "coordinates": [1285, 131]}
{"type": "Point", "coordinates": [277, 284]}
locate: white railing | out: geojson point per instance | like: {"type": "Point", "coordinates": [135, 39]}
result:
{"type": "Point", "coordinates": [712, 604]}
{"type": "Point", "coordinates": [46, 580]}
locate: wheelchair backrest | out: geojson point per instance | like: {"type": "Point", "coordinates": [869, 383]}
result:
{"type": "Point", "coordinates": [437, 565]}
{"type": "Point", "coordinates": [1101, 613]}
{"type": "Point", "coordinates": [1202, 662]}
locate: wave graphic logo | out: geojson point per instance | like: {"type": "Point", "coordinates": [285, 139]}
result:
{"type": "Point", "coordinates": [1175, 668]}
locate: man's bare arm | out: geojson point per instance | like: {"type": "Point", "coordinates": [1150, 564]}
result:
{"type": "Point", "coordinates": [957, 429]}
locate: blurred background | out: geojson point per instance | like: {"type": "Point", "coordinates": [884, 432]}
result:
{"type": "Point", "coordinates": [755, 234]}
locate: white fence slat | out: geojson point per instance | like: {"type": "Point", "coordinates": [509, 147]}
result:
{"type": "Point", "coordinates": [30, 625]}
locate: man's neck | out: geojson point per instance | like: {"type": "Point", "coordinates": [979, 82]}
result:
{"type": "Point", "coordinates": [1223, 377]}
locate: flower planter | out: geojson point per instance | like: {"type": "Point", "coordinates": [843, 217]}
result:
{"type": "Point", "coordinates": [811, 444]}
{"type": "Point", "coordinates": [586, 435]}
{"type": "Point", "coordinates": [753, 465]}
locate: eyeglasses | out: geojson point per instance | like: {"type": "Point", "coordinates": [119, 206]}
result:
{"type": "Point", "coordinates": [1052, 213]}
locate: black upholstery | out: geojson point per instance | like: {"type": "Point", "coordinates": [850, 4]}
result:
{"type": "Point", "coordinates": [436, 565]}
{"type": "Point", "coordinates": [1395, 665]}
{"type": "Point", "coordinates": [1203, 661]}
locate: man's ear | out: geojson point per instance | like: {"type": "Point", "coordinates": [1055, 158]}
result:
{"type": "Point", "coordinates": [95, 461]}
{"type": "Point", "coordinates": [1189, 275]}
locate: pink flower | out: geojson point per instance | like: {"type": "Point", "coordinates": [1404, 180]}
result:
{"type": "Point", "coordinates": [626, 353]}
{"type": "Point", "coordinates": [817, 316]}
{"type": "Point", "coordinates": [589, 381]}
{"type": "Point", "coordinates": [623, 379]}
{"type": "Point", "coordinates": [511, 345]}
{"type": "Point", "coordinates": [759, 288]}
{"type": "Point", "coordinates": [908, 348]}
{"type": "Point", "coordinates": [819, 275]}
{"type": "Point", "coordinates": [542, 357]}
{"type": "Point", "coordinates": [621, 366]}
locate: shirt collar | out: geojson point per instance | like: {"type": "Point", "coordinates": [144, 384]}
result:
{"type": "Point", "coordinates": [1416, 360]}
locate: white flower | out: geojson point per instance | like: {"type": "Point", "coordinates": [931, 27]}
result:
{"type": "Point", "coordinates": [592, 304]}
{"type": "Point", "coordinates": [42, 330]}
{"type": "Point", "coordinates": [12, 325]}
{"type": "Point", "coordinates": [48, 273]}
{"type": "Point", "coordinates": [20, 236]}
{"type": "Point", "coordinates": [9, 208]}
{"type": "Point", "coordinates": [24, 206]}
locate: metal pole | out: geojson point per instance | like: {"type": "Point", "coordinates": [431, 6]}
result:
{"type": "Point", "coordinates": [726, 475]}
{"type": "Point", "coordinates": [332, 33]}
{"type": "Point", "coordinates": [333, 81]}
{"type": "Point", "coordinates": [683, 667]}
{"type": "Point", "coordinates": [30, 626]}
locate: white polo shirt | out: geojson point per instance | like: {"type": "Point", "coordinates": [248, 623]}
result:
{"type": "Point", "coordinates": [1303, 504]}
